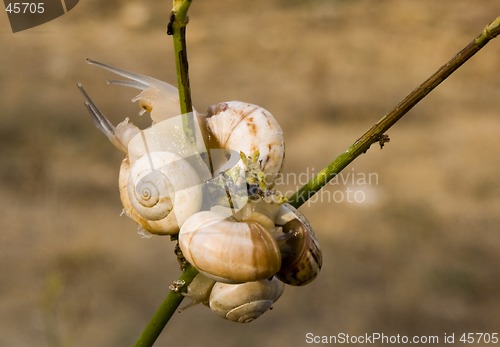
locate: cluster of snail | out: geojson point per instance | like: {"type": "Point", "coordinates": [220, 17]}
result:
{"type": "Point", "coordinates": [207, 181]}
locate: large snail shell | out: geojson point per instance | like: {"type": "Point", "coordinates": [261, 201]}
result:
{"type": "Point", "coordinates": [300, 252]}
{"type": "Point", "coordinates": [229, 250]}
{"type": "Point", "coordinates": [159, 191]}
{"type": "Point", "coordinates": [244, 302]}
{"type": "Point", "coordinates": [242, 127]}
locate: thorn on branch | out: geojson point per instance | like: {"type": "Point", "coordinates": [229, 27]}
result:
{"type": "Point", "coordinates": [177, 286]}
{"type": "Point", "coordinates": [383, 139]}
{"type": "Point", "coordinates": [170, 26]}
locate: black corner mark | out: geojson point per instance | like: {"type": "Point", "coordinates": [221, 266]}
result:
{"type": "Point", "coordinates": [70, 4]}
{"type": "Point", "coordinates": [27, 14]}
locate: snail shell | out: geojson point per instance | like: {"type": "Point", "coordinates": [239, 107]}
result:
{"type": "Point", "coordinates": [244, 302]}
{"type": "Point", "coordinates": [300, 252]}
{"type": "Point", "coordinates": [161, 176]}
{"type": "Point", "coordinates": [159, 191]}
{"type": "Point", "coordinates": [242, 127]}
{"type": "Point", "coordinates": [229, 250]}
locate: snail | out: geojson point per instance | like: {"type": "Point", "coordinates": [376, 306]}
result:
{"type": "Point", "coordinates": [199, 290]}
{"type": "Point", "coordinates": [232, 128]}
{"type": "Point", "coordinates": [244, 302]}
{"type": "Point", "coordinates": [247, 128]}
{"type": "Point", "coordinates": [230, 250]}
{"type": "Point", "coordinates": [241, 302]}
{"type": "Point", "coordinates": [159, 188]}
{"type": "Point", "coordinates": [299, 247]}
{"type": "Point", "coordinates": [158, 98]}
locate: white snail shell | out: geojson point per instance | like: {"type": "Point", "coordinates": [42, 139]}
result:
{"type": "Point", "coordinates": [162, 157]}
{"type": "Point", "coordinates": [162, 196]}
{"type": "Point", "coordinates": [159, 186]}
{"type": "Point", "coordinates": [229, 250]}
{"type": "Point", "coordinates": [242, 127]}
{"type": "Point", "coordinates": [300, 252]}
{"type": "Point", "coordinates": [244, 302]}
{"type": "Point", "coordinates": [149, 189]}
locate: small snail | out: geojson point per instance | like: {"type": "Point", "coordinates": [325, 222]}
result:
{"type": "Point", "coordinates": [300, 252]}
{"type": "Point", "coordinates": [244, 302]}
{"type": "Point", "coordinates": [228, 249]}
{"type": "Point", "coordinates": [151, 196]}
{"type": "Point", "coordinates": [241, 302]}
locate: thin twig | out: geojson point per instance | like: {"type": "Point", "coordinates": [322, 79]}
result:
{"type": "Point", "coordinates": [177, 28]}
{"type": "Point", "coordinates": [376, 133]}
{"type": "Point", "coordinates": [167, 308]}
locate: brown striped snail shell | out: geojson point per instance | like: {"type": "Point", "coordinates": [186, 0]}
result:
{"type": "Point", "coordinates": [301, 256]}
{"type": "Point", "coordinates": [230, 250]}
{"type": "Point", "coordinates": [242, 127]}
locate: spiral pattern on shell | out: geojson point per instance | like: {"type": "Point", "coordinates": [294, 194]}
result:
{"type": "Point", "coordinates": [159, 191]}
{"type": "Point", "coordinates": [152, 195]}
{"type": "Point", "coordinates": [244, 302]}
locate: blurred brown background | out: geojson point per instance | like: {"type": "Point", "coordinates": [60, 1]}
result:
{"type": "Point", "coordinates": [418, 256]}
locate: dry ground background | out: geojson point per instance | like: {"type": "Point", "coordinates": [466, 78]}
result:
{"type": "Point", "coordinates": [421, 254]}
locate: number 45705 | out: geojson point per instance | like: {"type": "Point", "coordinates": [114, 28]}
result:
{"type": "Point", "coordinates": [479, 338]}
{"type": "Point", "coordinates": [25, 7]}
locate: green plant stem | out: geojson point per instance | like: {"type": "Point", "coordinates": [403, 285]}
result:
{"type": "Point", "coordinates": [167, 308]}
{"type": "Point", "coordinates": [373, 135]}
{"type": "Point", "coordinates": [177, 28]}
{"type": "Point", "coordinates": [376, 132]}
